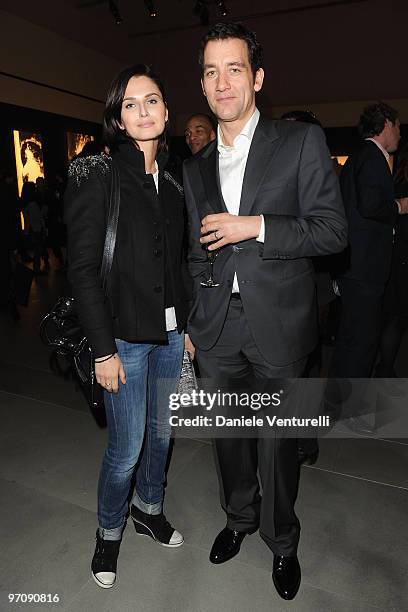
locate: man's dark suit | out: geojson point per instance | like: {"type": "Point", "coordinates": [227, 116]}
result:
{"type": "Point", "coordinates": [289, 179]}
{"type": "Point", "coordinates": [368, 194]}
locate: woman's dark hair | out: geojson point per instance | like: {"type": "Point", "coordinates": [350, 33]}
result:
{"type": "Point", "coordinates": [112, 134]}
{"type": "Point", "coordinates": [401, 169]}
{"type": "Point", "coordinates": [373, 119]}
{"type": "Point", "coordinates": [222, 31]}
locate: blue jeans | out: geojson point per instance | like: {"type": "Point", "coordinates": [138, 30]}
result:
{"type": "Point", "coordinates": [138, 432]}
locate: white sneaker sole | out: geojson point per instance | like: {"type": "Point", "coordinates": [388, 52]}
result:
{"type": "Point", "coordinates": [102, 585]}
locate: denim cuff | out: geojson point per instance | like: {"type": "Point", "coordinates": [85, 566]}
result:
{"type": "Point", "coordinates": [111, 534]}
{"type": "Point", "coordinates": [147, 508]}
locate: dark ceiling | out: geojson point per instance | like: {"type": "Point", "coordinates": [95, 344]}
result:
{"type": "Point", "coordinates": [316, 51]}
{"type": "Point", "coordinates": [91, 23]}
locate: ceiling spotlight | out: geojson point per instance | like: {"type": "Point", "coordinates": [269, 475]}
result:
{"type": "Point", "coordinates": [151, 8]}
{"type": "Point", "coordinates": [113, 7]}
{"type": "Point", "coordinates": [222, 9]}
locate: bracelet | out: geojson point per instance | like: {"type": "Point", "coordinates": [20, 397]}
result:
{"type": "Point", "coordinates": [105, 359]}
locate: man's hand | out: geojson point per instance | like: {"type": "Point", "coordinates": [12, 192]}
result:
{"type": "Point", "coordinates": [222, 228]}
{"type": "Point", "coordinates": [403, 202]}
{"type": "Point", "coordinates": [189, 346]}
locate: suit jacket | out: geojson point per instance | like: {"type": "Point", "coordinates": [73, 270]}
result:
{"type": "Point", "coordinates": [396, 294]}
{"type": "Point", "coordinates": [149, 265]}
{"type": "Point", "coordinates": [368, 194]}
{"type": "Point", "coordinates": [289, 179]}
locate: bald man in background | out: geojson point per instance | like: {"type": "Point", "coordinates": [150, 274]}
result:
{"type": "Point", "coordinates": [199, 132]}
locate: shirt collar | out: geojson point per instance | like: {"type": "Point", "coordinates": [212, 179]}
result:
{"type": "Point", "coordinates": [383, 151]}
{"type": "Point", "coordinates": [244, 137]}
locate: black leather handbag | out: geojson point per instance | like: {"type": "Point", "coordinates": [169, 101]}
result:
{"type": "Point", "coordinates": [61, 330]}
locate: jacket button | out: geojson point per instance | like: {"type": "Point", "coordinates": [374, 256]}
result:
{"type": "Point", "coordinates": [167, 221]}
{"type": "Point", "coordinates": [157, 252]}
{"type": "Point", "coordinates": [158, 289]}
{"type": "Point", "coordinates": [157, 237]}
{"type": "Point", "coordinates": [147, 185]}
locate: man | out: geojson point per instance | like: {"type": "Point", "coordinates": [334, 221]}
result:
{"type": "Point", "coordinates": [265, 195]}
{"type": "Point", "coordinates": [199, 132]}
{"type": "Point", "coordinates": [372, 211]}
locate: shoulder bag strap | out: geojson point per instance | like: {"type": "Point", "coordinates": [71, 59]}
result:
{"type": "Point", "coordinates": [112, 226]}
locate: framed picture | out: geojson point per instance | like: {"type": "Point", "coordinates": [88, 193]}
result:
{"type": "Point", "coordinates": [76, 142]}
{"type": "Point", "coordinates": [29, 157]}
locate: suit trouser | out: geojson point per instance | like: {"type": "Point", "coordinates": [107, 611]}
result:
{"type": "Point", "coordinates": [236, 357]}
{"type": "Point", "coordinates": [359, 330]}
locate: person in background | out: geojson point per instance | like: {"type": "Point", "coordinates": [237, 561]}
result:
{"type": "Point", "coordinates": [395, 315]}
{"type": "Point", "coordinates": [10, 232]}
{"type": "Point", "coordinates": [56, 226]}
{"type": "Point", "coordinates": [35, 215]}
{"type": "Point", "coordinates": [136, 330]}
{"type": "Point", "coordinates": [44, 199]}
{"type": "Point", "coordinates": [322, 267]}
{"type": "Point", "coordinates": [199, 132]}
{"type": "Point", "coordinates": [308, 448]}
{"type": "Point", "coordinates": [372, 213]}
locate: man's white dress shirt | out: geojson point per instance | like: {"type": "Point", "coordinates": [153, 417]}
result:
{"type": "Point", "coordinates": [232, 162]}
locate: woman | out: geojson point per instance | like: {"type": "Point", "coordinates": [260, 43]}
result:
{"type": "Point", "coordinates": [396, 295]}
{"type": "Point", "coordinates": [136, 331]}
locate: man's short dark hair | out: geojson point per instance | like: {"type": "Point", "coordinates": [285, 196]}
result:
{"type": "Point", "coordinates": [372, 121]}
{"type": "Point", "coordinates": [223, 31]}
{"type": "Point", "coordinates": [300, 115]}
{"type": "Point", "coordinates": [210, 119]}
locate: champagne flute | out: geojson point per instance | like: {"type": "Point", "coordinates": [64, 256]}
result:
{"type": "Point", "coordinates": [211, 256]}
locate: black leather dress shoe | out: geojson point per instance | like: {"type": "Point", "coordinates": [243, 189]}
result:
{"type": "Point", "coordinates": [286, 576]}
{"type": "Point", "coordinates": [305, 457]}
{"type": "Point", "coordinates": [307, 450]}
{"type": "Point", "coordinates": [226, 545]}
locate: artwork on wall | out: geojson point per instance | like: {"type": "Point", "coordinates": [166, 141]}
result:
{"type": "Point", "coordinates": [29, 157]}
{"type": "Point", "coordinates": [76, 143]}
{"type": "Point", "coordinates": [341, 159]}
{"type": "Point", "coordinates": [338, 163]}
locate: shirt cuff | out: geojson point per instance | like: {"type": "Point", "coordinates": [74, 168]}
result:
{"type": "Point", "coordinates": [261, 235]}
{"type": "Point", "coordinates": [399, 206]}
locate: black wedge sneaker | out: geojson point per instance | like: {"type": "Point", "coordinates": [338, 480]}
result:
{"type": "Point", "coordinates": [104, 561]}
{"type": "Point", "coordinates": [157, 527]}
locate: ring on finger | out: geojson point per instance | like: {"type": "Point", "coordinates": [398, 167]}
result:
{"type": "Point", "coordinates": [215, 234]}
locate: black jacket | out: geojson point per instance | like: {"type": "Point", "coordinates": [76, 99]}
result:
{"type": "Point", "coordinates": [289, 179]}
{"type": "Point", "coordinates": [396, 295]}
{"type": "Point", "coordinates": [148, 271]}
{"type": "Point", "coordinates": [369, 200]}
{"type": "Point", "coordinates": [401, 231]}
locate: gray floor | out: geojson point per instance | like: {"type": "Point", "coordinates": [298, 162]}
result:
{"type": "Point", "coordinates": [353, 507]}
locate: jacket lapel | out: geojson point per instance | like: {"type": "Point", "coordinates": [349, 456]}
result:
{"type": "Point", "coordinates": [208, 164]}
{"type": "Point", "coordinates": [265, 144]}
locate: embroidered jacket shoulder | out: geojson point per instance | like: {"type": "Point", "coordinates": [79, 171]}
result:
{"type": "Point", "coordinates": [80, 168]}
